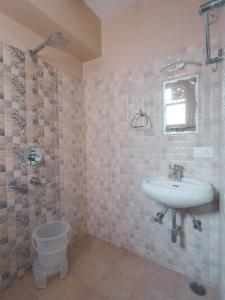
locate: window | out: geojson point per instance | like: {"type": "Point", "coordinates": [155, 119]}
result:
{"type": "Point", "coordinates": [175, 109]}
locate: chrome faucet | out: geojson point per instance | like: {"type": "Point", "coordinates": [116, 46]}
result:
{"type": "Point", "coordinates": [177, 172]}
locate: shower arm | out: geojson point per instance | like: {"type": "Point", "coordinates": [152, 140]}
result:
{"type": "Point", "coordinates": [41, 46]}
{"type": "Point", "coordinates": [205, 9]}
{"type": "Point", "coordinates": [34, 51]}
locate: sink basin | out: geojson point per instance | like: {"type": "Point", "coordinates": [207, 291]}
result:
{"type": "Point", "coordinates": [178, 194]}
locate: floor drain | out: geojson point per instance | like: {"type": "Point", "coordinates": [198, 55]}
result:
{"type": "Point", "coordinates": [198, 289]}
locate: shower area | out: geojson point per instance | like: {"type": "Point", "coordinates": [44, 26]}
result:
{"type": "Point", "coordinates": [42, 107]}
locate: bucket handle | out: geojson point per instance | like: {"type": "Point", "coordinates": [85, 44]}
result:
{"type": "Point", "coordinates": [51, 252]}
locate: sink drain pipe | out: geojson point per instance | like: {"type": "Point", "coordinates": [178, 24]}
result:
{"type": "Point", "coordinates": [158, 218]}
{"type": "Point", "coordinates": [175, 228]}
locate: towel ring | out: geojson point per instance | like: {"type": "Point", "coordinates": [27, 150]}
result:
{"type": "Point", "coordinates": [138, 116]}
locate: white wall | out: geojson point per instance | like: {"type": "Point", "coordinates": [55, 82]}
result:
{"type": "Point", "coordinates": [222, 171]}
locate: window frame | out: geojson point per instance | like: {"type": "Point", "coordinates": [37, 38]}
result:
{"type": "Point", "coordinates": [180, 128]}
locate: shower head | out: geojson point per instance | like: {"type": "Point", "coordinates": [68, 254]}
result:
{"type": "Point", "coordinates": [55, 40]}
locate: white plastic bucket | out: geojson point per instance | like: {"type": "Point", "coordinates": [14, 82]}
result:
{"type": "Point", "coordinates": [50, 240]}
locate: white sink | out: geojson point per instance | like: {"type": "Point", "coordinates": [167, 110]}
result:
{"type": "Point", "coordinates": [178, 194]}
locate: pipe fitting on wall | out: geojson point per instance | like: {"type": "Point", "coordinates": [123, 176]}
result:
{"type": "Point", "coordinates": [158, 218]}
{"type": "Point", "coordinates": [197, 224]}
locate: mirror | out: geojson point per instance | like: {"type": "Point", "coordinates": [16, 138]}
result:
{"type": "Point", "coordinates": [180, 104]}
{"type": "Point", "coordinates": [32, 156]}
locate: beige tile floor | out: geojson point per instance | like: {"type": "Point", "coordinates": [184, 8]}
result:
{"type": "Point", "coordinates": [101, 271]}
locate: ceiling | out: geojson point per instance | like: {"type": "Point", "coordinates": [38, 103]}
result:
{"type": "Point", "coordinates": [105, 8]}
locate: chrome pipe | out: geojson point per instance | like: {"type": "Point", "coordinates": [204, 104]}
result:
{"type": "Point", "coordinates": [210, 5]}
{"type": "Point", "coordinates": [33, 53]}
{"type": "Point", "coordinates": [205, 8]}
{"type": "Point", "coordinates": [175, 228]}
{"type": "Point", "coordinates": [160, 215]}
{"type": "Point", "coordinates": [39, 47]}
{"type": "Point", "coordinates": [207, 38]}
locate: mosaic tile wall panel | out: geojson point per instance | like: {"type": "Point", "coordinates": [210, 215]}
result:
{"type": "Point", "coordinates": [118, 158]}
{"type": "Point", "coordinates": [14, 220]}
{"type": "Point", "coordinates": [43, 131]}
{"type": "Point", "coordinates": [30, 114]}
{"type": "Point", "coordinates": [72, 153]}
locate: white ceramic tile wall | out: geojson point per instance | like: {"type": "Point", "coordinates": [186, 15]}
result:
{"type": "Point", "coordinates": [118, 158]}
